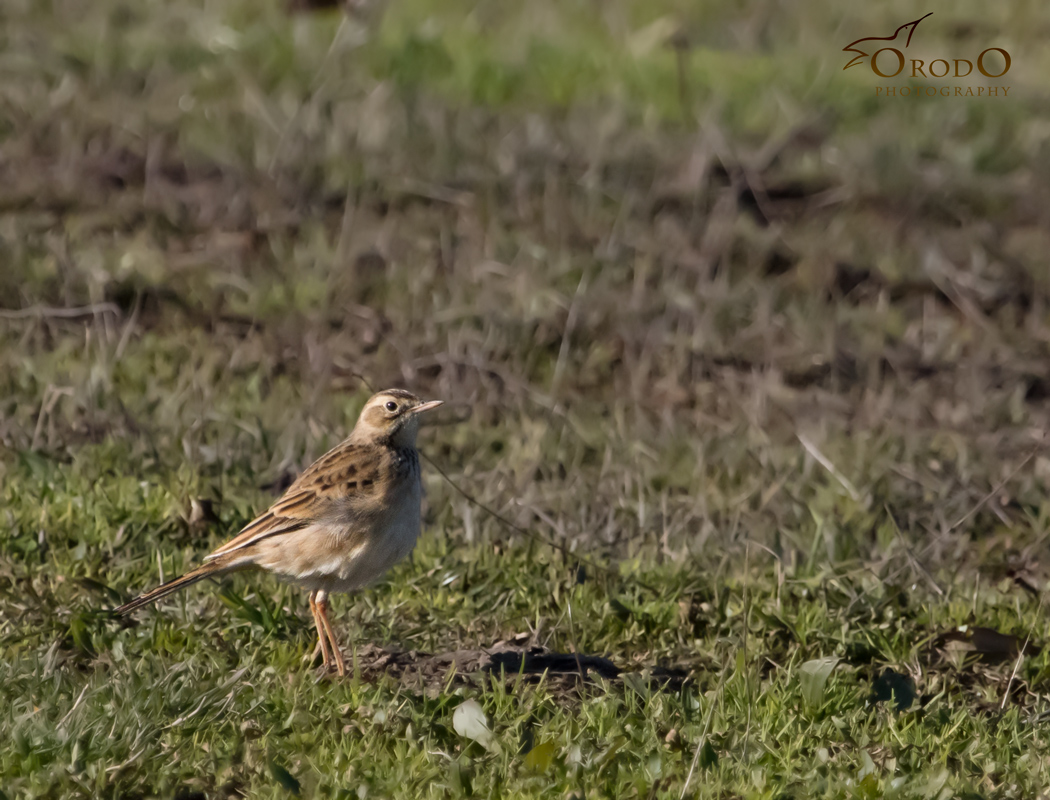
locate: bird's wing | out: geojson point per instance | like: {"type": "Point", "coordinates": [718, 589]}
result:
{"type": "Point", "coordinates": [344, 482]}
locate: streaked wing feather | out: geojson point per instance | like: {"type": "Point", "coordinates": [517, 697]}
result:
{"type": "Point", "coordinates": [262, 527]}
{"type": "Point", "coordinates": [341, 482]}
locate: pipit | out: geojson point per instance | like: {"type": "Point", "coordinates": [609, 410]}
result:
{"type": "Point", "coordinates": [345, 521]}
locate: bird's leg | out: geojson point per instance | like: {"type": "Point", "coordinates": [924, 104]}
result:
{"type": "Point", "coordinates": [310, 659]}
{"type": "Point", "coordinates": [322, 643]}
{"type": "Point", "coordinates": [322, 613]}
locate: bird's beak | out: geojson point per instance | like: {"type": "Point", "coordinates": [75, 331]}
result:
{"type": "Point", "coordinates": [427, 406]}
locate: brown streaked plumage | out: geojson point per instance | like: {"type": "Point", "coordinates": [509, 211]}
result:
{"type": "Point", "coordinates": [348, 518]}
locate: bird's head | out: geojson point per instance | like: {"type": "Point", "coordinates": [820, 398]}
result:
{"type": "Point", "coordinates": [392, 416]}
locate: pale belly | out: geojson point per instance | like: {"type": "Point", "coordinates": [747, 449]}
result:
{"type": "Point", "coordinates": [321, 556]}
{"type": "Point", "coordinates": [393, 541]}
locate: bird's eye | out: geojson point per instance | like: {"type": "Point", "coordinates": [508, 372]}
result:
{"type": "Point", "coordinates": [391, 405]}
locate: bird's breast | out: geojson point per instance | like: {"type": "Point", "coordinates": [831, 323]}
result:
{"type": "Point", "coordinates": [362, 539]}
{"type": "Point", "coordinates": [390, 532]}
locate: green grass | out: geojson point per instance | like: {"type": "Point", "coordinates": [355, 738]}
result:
{"type": "Point", "coordinates": [761, 355]}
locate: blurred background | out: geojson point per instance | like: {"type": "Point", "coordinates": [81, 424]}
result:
{"type": "Point", "coordinates": [639, 247]}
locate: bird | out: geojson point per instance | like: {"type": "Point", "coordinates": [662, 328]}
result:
{"type": "Point", "coordinates": [348, 518]}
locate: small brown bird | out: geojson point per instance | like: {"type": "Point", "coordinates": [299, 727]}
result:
{"type": "Point", "coordinates": [345, 521]}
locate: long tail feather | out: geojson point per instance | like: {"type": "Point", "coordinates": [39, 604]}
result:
{"type": "Point", "coordinates": [211, 568]}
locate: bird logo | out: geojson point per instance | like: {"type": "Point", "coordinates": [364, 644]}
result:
{"type": "Point", "coordinates": [852, 46]}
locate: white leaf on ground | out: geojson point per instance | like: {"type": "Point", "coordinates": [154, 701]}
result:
{"type": "Point", "coordinates": [470, 722]}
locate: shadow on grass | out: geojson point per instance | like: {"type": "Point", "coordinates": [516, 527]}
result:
{"type": "Point", "coordinates": [560, 671]}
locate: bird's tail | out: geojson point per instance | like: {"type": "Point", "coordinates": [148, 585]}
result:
{"type": "Point", "coordinates": [214, 568]}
